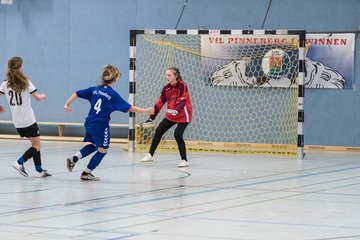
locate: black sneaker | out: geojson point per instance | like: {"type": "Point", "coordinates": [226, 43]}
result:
{"type": "Point", "coordinates": [70, 164]}
{"type": "Point", "coordinates": [88, 177]}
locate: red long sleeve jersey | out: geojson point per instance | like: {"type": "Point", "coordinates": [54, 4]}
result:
{"type": "Point", "coordinates": [177, 98]}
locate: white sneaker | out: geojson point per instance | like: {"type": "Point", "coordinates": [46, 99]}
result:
{"type": "Point", "coordinates": [183, 163]}
{"type": "Point", "coordinates": [148, 158]}
{"type": "Point", "coordinates": [43, 174]}
{"type": "Point", "coordinates": [20, 168]}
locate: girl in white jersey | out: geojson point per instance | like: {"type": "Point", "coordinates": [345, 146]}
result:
{"type": "Point", "coordinates": [18, 88]}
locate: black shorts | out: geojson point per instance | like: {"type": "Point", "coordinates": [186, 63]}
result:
{"type": "Point", "coordinates": [30, 131]}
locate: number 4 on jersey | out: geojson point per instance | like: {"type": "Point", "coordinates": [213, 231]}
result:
{"type": "Point", "coordinates": [97, 106]}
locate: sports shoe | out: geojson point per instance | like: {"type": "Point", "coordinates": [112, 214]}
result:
{"type": "Point", "coordinates": [148, 158]}
{"type": "Point", "coordinates": [183, 163]}
{"type": "Point", "coordinates": [88, 177]}
{"type": "Point", "coordinates": [20, 169]}
{"type": "Point", "coordinates": [43, 174]}
{"type": "Point", "coordinates": [70, 164]}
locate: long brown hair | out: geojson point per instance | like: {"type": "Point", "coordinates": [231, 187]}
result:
{"type": "Point", "coordinates": [110, 74]}
{"type": "Point", "coordinates": [15, 77]}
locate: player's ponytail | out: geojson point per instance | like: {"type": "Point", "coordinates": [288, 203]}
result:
{"type": "Point", "coordinates": [16, 79]}
{"type": "Point", "coordinates": [176, 72]}
{"type": "Point", "coordinates": [110, 74]}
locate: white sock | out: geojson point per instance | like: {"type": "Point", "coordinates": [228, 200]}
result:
{"type": "Point", "coordinates": [79, 155]}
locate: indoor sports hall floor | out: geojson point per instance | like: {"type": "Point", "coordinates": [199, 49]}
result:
{"type": "Point", "coordinates": [217, 197]}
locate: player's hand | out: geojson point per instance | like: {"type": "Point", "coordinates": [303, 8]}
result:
{"type": "Point", "coordinates": [67, 108]}
{"type": "Point", "coordinates": [43, 96]}
{"type": "Point", "coordinates": [2, 109]}
{"type": "Point", "coordinates": [172, 112]}
{"type": "Point", "coordinates": [149, 120]}
{"type": "Point", "coordinates": [150, 111]}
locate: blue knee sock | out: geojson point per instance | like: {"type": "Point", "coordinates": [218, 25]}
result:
{"type": "Point", "coordinates": [87, 150]}
{"type": "Point", "coordinates": [95, 160]}
{"type": "Point", "coordinates": [38, 168]}
{"type": "Point", "coordinates": [21, 160]}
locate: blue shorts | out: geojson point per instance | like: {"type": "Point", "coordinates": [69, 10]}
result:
{"type": "Point", "coordinates": [98, 134]}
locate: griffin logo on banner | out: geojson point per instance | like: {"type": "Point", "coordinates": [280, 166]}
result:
{"type": "Point", "coordinates": [275, 74]}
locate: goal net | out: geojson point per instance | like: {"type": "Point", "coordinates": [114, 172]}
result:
{"type": "Point", "coordinates": [244, 88]}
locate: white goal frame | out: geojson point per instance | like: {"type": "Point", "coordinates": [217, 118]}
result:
{"type": "Point", "coordinates": [301, 75]}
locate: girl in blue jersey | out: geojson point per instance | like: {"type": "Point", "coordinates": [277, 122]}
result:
{"type": "Point", "coordinates": [104, 100]}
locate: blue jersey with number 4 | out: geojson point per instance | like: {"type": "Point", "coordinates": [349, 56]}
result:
{"type": "Point", "coordinates": [104, 100]}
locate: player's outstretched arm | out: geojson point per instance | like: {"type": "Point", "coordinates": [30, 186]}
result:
{"type": "Point", "coordinates": [148, 111]}
{"type": "Point", "coordinates": [67, 107]}
{"type": "Point", "coordinates": [39, 97]}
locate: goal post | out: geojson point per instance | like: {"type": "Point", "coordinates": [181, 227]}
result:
{"type": "Point", "coordinates": [246, 86]}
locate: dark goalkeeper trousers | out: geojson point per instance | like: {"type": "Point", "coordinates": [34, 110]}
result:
{"type": "Point", "coordinates": [178, 134]}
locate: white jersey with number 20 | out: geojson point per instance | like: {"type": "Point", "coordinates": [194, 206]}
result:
{"type": "Point", "coordinates": [20, 105]}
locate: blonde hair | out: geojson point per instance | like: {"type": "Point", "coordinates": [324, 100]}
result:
{"type": "Point", "coordinates": [16, 79]}
{"type": "Point", "coordinates": [110, 74]}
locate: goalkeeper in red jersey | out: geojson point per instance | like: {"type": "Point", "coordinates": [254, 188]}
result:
{"type": "Point", "coordinates": [179, 112]}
